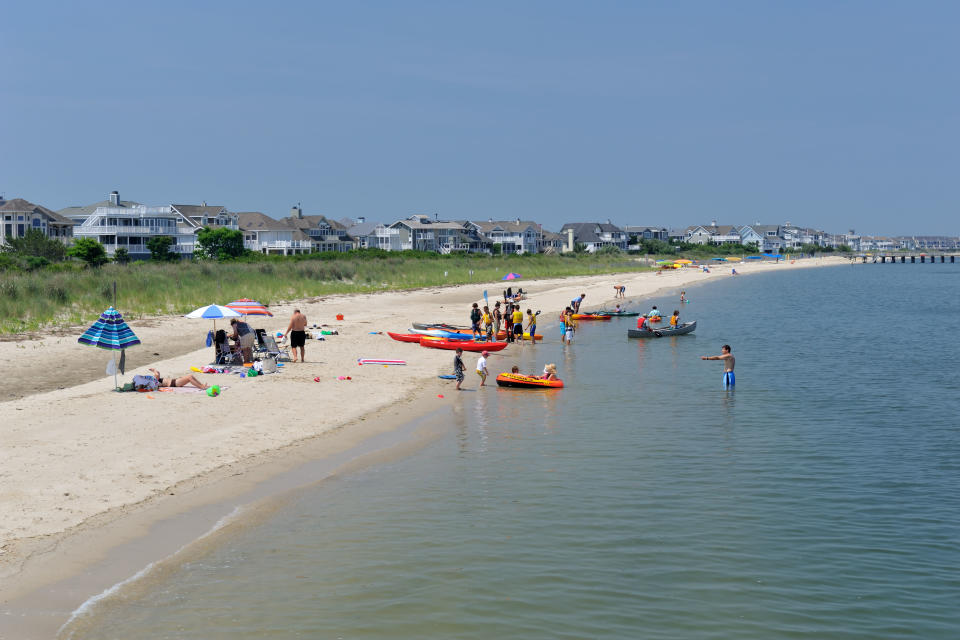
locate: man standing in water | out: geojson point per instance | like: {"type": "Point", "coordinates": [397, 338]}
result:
{"type": "Point", "coordinates": [297, 330]}
{"type": "Point", "coordinates": [729, 380]}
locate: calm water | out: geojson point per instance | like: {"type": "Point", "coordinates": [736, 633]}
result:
{"type": "Point", "coordinates": [819, 499]}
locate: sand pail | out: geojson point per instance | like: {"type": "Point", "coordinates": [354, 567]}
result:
{"type": "Point", "coordinates": [339, 316]}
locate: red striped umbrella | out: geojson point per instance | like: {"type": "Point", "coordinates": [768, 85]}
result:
{"type": "Point", "coordinates": [249, 307]}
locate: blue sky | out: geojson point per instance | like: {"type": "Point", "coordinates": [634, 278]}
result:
{"type": "Point", "coordinates": [831, 114]}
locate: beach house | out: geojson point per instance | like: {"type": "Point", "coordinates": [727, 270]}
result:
{"type": "Point", "coordinates": [17, 216]}
{"type": "Point", "coordinates": [119, 224]}
{"type": "Point", "coordinates": [420, 233]}
{"type": "Point", "coordinates": [325, 234]}
{"type": "Point", "coordinates": [373, 235]}
{"type": "Point", "coordinates": [263, 234]}
{"type": "Point", "coordinates": [593, 236]}
{"type": "Point", "coordinates": [514, 236]}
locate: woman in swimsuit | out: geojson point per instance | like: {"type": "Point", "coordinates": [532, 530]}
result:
{"type": "Point", "coordinates": [182, 381]}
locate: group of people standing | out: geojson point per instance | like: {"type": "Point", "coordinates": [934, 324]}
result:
{"type": "Point", "coordinates": [487, 322]}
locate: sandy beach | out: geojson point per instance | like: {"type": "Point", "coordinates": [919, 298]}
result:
{"type": "Point", "coordinates": [76, 456]}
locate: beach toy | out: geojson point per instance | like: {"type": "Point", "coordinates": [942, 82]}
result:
{"type": "Point", "coordinates": [317, 379]}
{"type": "Point", "coordinates": [447, 377]}
{"type": "Point", "coordinates": [197, 369]}
{"type": "Point", "coordinates": [439, 395]}
{"type": "Point", "coordinates": [213, 391]}
{"type": "Point", "coordinates": [339, 316]}
{"type": "Point", "coordinates": [251, 373]}
{"type": "Point", "coordinates": [279, 334]}
{"type": "Point", "coordinates": [363, 361]}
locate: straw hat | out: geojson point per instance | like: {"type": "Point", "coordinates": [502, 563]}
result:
{"type": "Point", "coordinates": [550, 368]}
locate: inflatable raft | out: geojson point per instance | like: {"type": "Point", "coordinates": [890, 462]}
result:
{"type": "Point", "coordinates": [527, 382]}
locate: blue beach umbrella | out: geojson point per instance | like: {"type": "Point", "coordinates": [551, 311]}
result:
{"type": "Point", "coordinates": [112, 333]}
{"type": "Point", "coordinates": [213, 312]}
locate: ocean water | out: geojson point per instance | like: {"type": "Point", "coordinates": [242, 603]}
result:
{"type": "Point", "coordinates": [821, 498]}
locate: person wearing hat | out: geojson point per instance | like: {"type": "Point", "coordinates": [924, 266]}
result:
{"type": "Point", "coordinates": [482, 367]}
{"type": "Point", "coordinates": [549, 372]}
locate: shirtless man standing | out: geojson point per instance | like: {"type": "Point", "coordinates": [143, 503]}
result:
{"type": "Point", "coordinates": [298, 334]}
{"type": "Point", "coordinates": [728, 362]}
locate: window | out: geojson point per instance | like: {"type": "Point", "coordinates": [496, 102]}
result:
{"type": "Point", "coordinates": [8, 229]}
{"type": "Point", "coordinates": [20, 231]}
{"type": "Point", "coordinates": [36, 222]}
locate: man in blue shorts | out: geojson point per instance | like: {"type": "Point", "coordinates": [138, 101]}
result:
{"type": "Point", "coordinates": [729, 380]}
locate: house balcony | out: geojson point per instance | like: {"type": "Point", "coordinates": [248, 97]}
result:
{"type": "Point", "coordinates": [114, 229]}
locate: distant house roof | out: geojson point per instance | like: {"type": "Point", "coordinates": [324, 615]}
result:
{"type": "Point", "coordinates": [589, 231]}
{"type": "Point", "coordinates": [311, 222]}
{"type": "Point", "coordinates": [362, 229]}
{"type": "Point", "coordinates": [257, 221]}
{"type": "Point", "coordinates": [421, 224]}
{"type": "Point", "coordinates": [724, 230]}
{"type": "Point", "coordinates": [19, 205]}
{"type": "Point", "coordinates": [486, 226]}
{"type": "Point", "coordinates": [199, 210]}
{"type": "Point", "coordinates": [88, 209]}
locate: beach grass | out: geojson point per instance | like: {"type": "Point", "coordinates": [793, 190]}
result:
{"type": "Point", "coordinates": [70, 295]}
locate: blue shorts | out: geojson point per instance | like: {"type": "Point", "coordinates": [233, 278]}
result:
{"type": "Point", "coordinates": [729, 380]}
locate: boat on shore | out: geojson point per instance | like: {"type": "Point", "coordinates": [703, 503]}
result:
{"type": "Point", "coordinates": [502, 335]}
{"type": "Point", "coordinates": [590, 316]}
{"type": "Point", "coordinates": [617, 314]}
{"type": "Point", "coordinates": [686, 327]}
{"type": "Point", "coordinates": [442, 326]}
{"type": "Point", "coordinates": [405, 337]}
{"type": "Point", "coordinates": [520, 381]}
{"type": "Point", "coordinates": [451, 345]}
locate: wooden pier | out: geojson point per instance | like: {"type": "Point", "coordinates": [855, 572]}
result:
{"type": "Point", "coordinates": [922, 258]}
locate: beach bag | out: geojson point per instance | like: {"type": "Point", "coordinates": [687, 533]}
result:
{"type": "Point", "coordinates": [145, 383]}
{"type": "Point", "coordinates": [268, 365]}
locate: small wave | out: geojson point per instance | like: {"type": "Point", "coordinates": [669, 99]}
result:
{"type": "Point", "coordinates": [91, 602]}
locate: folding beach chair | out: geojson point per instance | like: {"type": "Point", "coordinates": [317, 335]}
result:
{"type": "Point", "coordinates": [268, 347]}
{"type": "Point", "coordinates": [223, 352]}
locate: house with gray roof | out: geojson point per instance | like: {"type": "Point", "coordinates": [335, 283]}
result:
{"type": "Point", "coordinates": [514, 236]}
{"type": "Point", "coordinates": [420, 233]}
{"type": "Point", "coordinates": [17, 216]}
{"type": "Point", "coordinates": [594, 236]}
{"type": "Point", "coordinates": [270, 236]}
{"type": "Point", "coordinates": [124, 224]}
{"type": "Point", "coordinates": [374, 235]}
{"type": "Point", "coordinates": [766, 237]}
{"type": "Point", "coordinates": [653, 232]}
{"type": "Point", "coordinates": [326, 234]}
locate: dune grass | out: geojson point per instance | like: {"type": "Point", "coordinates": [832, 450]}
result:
{"type": "Point", "coordinates": [68, 295]}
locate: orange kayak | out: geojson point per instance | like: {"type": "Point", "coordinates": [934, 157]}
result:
{"type": "Point", "coordinates": [527, 382]}
{"type": "Point", "coordinates": [590, 316]}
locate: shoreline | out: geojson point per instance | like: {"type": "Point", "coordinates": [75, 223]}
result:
{"type": "Point", "coordinates": [43, 524]}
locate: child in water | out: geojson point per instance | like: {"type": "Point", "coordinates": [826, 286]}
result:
{"type": "Point", "coordinates": [458, 367]}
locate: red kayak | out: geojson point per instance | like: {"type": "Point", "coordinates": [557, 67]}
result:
{"type": "Point", "coordinates": [405, 337]}
{"type": "Point", "coordinates": [442, 343]}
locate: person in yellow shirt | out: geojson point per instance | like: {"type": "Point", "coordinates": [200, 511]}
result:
{"type": "Point", "coordinates": [487, 319]}
{"type": "Point", "coordinates": [532, 325]}
{"type": "Point", "coordinates": [675, 319]}
{"type": "Point", "coordinates": [517, 323]}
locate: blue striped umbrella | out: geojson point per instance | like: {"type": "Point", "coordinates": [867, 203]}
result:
{"type": "Point", "coordinates": [110, 332]}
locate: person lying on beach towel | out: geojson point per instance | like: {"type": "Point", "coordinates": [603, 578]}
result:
{"type": "Point", "coordinates": [182, 381]}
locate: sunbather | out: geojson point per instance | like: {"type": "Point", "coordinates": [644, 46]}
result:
{"type": "Point", "coordinates": [182, 381]}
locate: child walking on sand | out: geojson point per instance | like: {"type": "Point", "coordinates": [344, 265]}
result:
{"type": "Point", "coordinates": [458, 367]}
{"type": "Point", "coordinates": [482, 367]}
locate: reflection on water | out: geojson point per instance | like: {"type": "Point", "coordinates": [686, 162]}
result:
{"type": "Point", "coordinates": [821, 499]}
